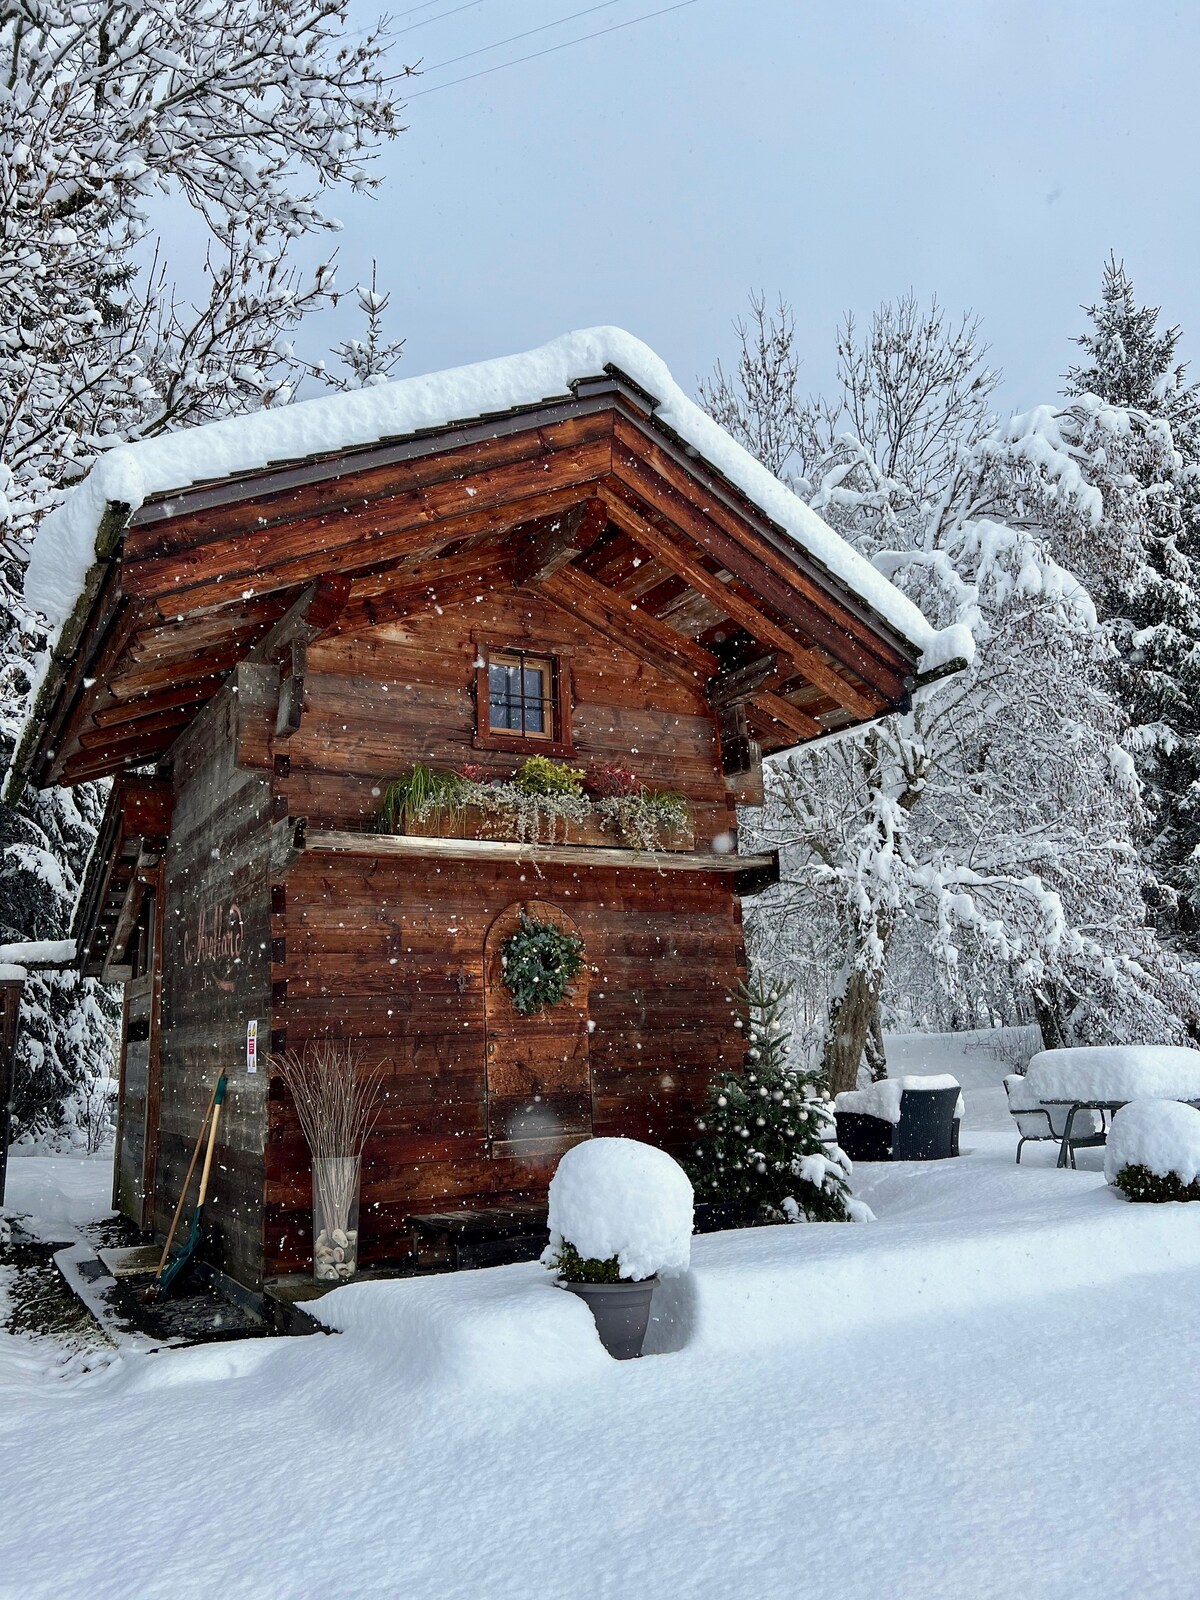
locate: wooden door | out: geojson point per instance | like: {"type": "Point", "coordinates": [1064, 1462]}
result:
{"type": "Point", "coordinates": [538, 1078]}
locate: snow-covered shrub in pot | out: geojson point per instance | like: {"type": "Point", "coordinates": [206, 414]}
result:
{"type": "Point", "coordinates": [1153, 1151]}
{"type": "Point", "coordinates": [620, 1215]}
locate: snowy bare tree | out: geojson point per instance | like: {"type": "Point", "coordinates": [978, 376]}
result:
{"type": "Point", "coordinates": [760, 403]}
{"type": "Point", "coordinates": [995, 820]}
{"type": "Point", "coordinates": [116, 117]}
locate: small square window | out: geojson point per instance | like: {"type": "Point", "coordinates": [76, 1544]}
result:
{"type": "Point", "coordinates": [521, 694]}
{"type": "Point", "coordinates": [521, 697]}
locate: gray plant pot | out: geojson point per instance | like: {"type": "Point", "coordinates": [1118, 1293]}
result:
{"type": "Point", "coordinates": [622, 1313]}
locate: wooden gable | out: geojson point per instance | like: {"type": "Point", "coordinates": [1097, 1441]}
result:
{"type": "Point", "coordinates": [588, 502]}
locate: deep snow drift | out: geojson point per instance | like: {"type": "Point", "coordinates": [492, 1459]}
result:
{"type": "Point", "coordinates": [989, 1393]}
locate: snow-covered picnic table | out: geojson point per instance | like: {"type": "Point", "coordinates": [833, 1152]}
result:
{"type": "Point", "coordinates": [1107, 1077]}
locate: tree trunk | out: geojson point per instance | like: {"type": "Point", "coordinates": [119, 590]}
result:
{"type": "Point", "coordinates": [849, 1025]}
{"type": "Point", "coordinates": [1049, 1020]}
{"type": "Point", "coordinates": [876, 1051]}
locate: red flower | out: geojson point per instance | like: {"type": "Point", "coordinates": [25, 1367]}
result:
{"type": "Point", "coordinates": [608, 780]}
{"type": "Point", "coordinates": [473, 772]}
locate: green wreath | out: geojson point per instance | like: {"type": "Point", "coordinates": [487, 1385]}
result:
{"type": "Point", "coordinates": [539, 961]}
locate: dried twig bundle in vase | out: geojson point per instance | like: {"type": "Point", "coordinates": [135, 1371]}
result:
{"type": "Point", "coordinates": [337, 1106]}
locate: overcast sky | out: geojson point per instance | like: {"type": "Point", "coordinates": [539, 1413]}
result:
{"type": "Point", "coordinates": [836, 153]}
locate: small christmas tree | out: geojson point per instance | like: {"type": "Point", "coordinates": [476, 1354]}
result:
{"type": "Point", "coordinates": [764, 1134]}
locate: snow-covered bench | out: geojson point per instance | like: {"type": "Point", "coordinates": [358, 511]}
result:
{"type": "Point", "coordinates": [1039, 1124]}
{"type": "Point", "coordinates": [1107, 1077]}
{"type": "Point", "coordinates": [901, 1119]}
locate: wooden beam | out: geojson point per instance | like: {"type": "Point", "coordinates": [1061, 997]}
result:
{"type": "Point", "coordinates": [739, 750]}
{"type": "Point", "coordinates": [138, 750]}
{"type": "Point", "coordinates": [733, 529]}
{"type": "Point", "coordinates": [140, 728]}
{"type": "Point", "coordinates": [315, 610]}
{"type": "Point", "coordinates": [352, 536]}
{"type": "Point", "coordinates": [124, 713]}
{"type": "Point", "coordinates": [557, 541]}
{"type": "Point", "coordinates": [287, 642]}
{"type": "Point", "coordinates": [638, 631]}
{"type": "Point", "coordinates": [726, 598]}
{"type": "Point", "coordinates": [290, 712]}
{"type": "Point", "coordinates": [393, 846]}
{"type": "Point", "coordinates": [742, 682]}
{"type": "Point", "coordinates": [777, 709]}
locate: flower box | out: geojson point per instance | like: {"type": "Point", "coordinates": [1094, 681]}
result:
{"type": "Point", "coordinates": [482, 822]}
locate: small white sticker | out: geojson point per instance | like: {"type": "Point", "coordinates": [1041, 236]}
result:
{"type": "Point", "coordinates": [252, 1045]}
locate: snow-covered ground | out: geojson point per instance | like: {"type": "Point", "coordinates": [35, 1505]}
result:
{"type": "Point", "coordinates": [61, 1192]}
{"type": "Point", "coordinates": [991, 1391]}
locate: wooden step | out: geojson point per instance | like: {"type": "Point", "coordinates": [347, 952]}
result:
{"type": "Point", "coordinates": [490, 1236]}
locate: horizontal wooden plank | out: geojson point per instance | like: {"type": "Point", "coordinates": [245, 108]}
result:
{"type": "Point", "coordinates": [335, 842]}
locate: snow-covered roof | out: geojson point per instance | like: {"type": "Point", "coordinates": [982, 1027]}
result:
{"type": "Point", "coordinates": [16, 959]}
{"type": "Point", "coordinates": [64, 547]}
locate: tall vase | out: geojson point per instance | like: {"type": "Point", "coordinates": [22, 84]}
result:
{"type": "Point", "coordinates": [335, 1217]}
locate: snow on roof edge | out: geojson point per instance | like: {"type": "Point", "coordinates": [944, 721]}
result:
{"type": "Point", "coordinates": [64, 546]}
{"type": "Point", "coordinates": [38, 953]}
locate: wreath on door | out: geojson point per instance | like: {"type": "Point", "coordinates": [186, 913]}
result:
{"type": "Point", "coordinates": [539, 962]}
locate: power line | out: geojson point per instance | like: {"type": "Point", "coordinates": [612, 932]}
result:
{"type": "Point", "coordinates": [512, 39]}
{"type": "Point", "coordinates": [424, 6]}
{"type": "Point", "coordinates": [550, 50]}
{"type": "Point", "coordinates": [441, 17]}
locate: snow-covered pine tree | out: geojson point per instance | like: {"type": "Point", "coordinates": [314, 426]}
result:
{"type": "Point", "coordinates": [764, 1135]}
{"type": "Point", "coordinates": [1150, 594]}
{"type": "Point", "coordinates": [367, 362]}
{"type": "Point", "coordinates": [240, 115]}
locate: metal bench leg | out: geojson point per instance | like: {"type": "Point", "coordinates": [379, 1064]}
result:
{"type": "Point", "coordinates": [1066, 1156]}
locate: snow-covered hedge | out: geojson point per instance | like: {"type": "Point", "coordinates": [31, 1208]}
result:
{"type": "Point", "coordinates": [883, 1099]}
{"type": "Point", "coordinates": [1153, 1151]}
{"type": "Point", "coordinates": [618, 1199]}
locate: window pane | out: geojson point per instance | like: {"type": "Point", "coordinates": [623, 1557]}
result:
{"type": "Point", "coordinates": [501, 715]}
{"type": "Point", "coordinates": [535, 716]}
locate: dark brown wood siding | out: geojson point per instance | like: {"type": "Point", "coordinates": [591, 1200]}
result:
{"type": "Point", "coordinates": [391, 953]}
{"type": "Point", "coordinates": [380, 698]}
{"type": "Point", "coordinates": [216, 977]}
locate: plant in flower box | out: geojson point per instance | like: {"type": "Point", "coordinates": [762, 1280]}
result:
{"type": "Point", "coordinates": [542, 802]}
{"type": "Point", "coordinates": [643, 819]}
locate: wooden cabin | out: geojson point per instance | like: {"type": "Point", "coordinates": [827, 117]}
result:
{"type": "Point", "coordinates": [277, 631]}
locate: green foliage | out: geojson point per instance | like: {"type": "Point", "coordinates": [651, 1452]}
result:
{"type": "Point", "coordinates": [644, 820]}
{"type": "Point", "coordinates": [763, 1131]}
{"type": "Point", "coordinates": [423, 792]}
{"type": "Point", "coordinates": [541, 776]}
{"type": "Point", "coordinates": [540, 799]}
{"type": "Point", "coordinates": [574, 1268]}
{"type": "Point", "coordinates": [539, 963]}
{"type": "Point", "coordinates": [1139, 1183]}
